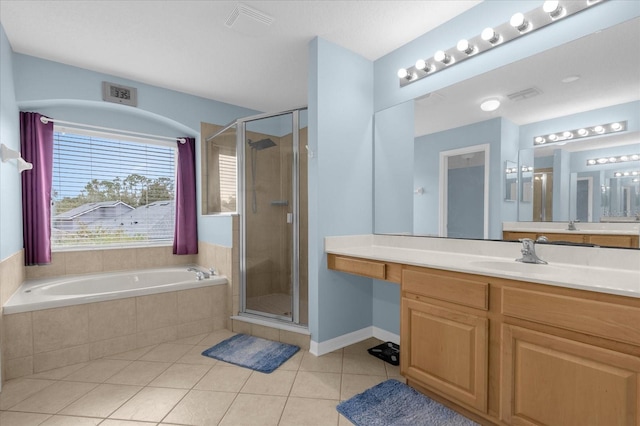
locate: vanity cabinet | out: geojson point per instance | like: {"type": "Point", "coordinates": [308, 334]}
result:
{"type": "Point", "coordinates": [511, 352]}
{"type": "Point", "coordinates": [605, 240]}
{"type": "Point", "coordinates": [444, 333]}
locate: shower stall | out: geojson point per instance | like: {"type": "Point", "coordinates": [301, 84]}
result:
{"type": "Point", "coordinates": [272, 207]}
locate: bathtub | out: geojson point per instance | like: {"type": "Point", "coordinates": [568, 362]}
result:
{"type": "Point", "coordinates": [41, 294]}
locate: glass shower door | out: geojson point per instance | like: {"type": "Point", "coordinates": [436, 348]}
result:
{"type": "Point", "coordinates": [269, 218]}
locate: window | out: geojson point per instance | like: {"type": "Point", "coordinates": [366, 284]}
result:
{"type": "Point", "coordinates": [111, 190]}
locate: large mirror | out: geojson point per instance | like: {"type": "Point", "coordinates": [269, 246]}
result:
{"type": "Point", "coordinates": [590, 81]}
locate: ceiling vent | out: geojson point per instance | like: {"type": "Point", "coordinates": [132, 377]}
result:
{"type": "Point", "coordinates": [524, 94]}
{"type": "Point", "coordinates": [242, 11]}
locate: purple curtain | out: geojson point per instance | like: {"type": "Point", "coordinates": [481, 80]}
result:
{"type": "Point", "coordinates": [185, 237]}
{"type": "Point", "coordinates": [36, 147]}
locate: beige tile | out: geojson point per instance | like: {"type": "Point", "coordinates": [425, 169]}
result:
{"type": "Point", "coordinates": [194, 356]}
{"type": "Point", "coordinates": [54, 398]}
{"type": "Point", "coordinates": [101, 401]}
{"type": "Point", "coordinates": [83, 262]}
{"type": "Point", "coordinates": [113, 422]}
{"type": "Point", "coordinates": [393, 371]}
{"type": "Point", "coordinates": [159, 335]}
{"type": "Point", "coordinates": [55, 269]}
{"type": "Point", "coordinates": [10, 418]}
{"type": "Point", "coordinates": [195, 328]}
{"type": "Point", "coordinates": [353, 384]}
{"type": "Point", "coordinates": [150, 404]}
{"type": "Point", "coordinates": [17, 339]}
{"type": "Point", "coordinates": [362, 346]}
{"type": "Point", "coordinates": [132, 355]}
{"type": "Point", "coordinates": [316, 385]}
{"type": "Point", "coordinates": [298, 339]}
{"type": "Point", "coordinates": [363, 364]}
{"type": "Point", "coordinates": [216, 337]}
{"type": "Point", "coordinates": [61, 358]}
{"type": "Point", "coordinates": [98, 371]}
{"type": "Point", "coordinates": [192, 340]}
{"type": "Point", "coordinates": [15, 391]}
{"type": "Point", "coordinates": [260, 410]}
{"type": "Point", "coordinates": [329, 363]}
{"type": "Point", "coordinates": [268, 333]}
{"type": "Point", "coordinates": [70, 421]}
{"type": "Point", "coordinates": [183, 376]}
{"type": "Point", "coordinates": [195, 304]}
{"type": "Point", "coordinates": [116, 345]}
{"type": "Point", "coordinates": [60, 328]}
{"type": "Point", "coordinates": [139, 373]}
{"type": "Point", "coordinates": [294, 362]}
{"type": "Point", "coordinates": [152, 257]}
{"type": "Point", "coordinates": [58, 373]}
{"type": "Point", "coordinates": [17, 367]}
{"type": "Point", "coordinates": [241, 327]}
{"type": "Point", "coordinates": [305, 411]}
{"type": "Point", "coordinates": [166, 352]}
{"type": "Point", "coordinates": [201, 408]}
{"type": "Point", "coordinates": [278, 383]}
{"type": "Point", "coordinates": [111, 319]}
{"type": "Point", "coordinates": [224, 377]}
{"type": "Point", "coordinates": [157, 311]}
{"type": "Point", "coordinates": [119, 259]}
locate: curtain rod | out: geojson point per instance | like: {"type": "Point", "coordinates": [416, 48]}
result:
{"type": "Point", "coordinates": [46, 120]}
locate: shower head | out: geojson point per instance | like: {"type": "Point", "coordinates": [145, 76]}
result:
{"type": "Point", "coordinates": [261, 144]}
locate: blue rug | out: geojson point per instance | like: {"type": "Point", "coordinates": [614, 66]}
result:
{"type": "Point", "coordinates": [394, 403]}
{"type": "Point", "coordinates": [252, 352]}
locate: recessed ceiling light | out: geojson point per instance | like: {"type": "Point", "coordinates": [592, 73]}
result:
{"type": "Point", "coordinates": [490, 105]}
{"type": "Point", "coordinates": [570, 78]}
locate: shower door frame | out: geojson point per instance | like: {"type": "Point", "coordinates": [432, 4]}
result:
{"type": "Point", "coordinates": [242, 210]}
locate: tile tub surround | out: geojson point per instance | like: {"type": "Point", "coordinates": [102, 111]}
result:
{"type": "Point", "coordinates": [606, 270]}
{"type": "Point", "coordinates": [39, 341]}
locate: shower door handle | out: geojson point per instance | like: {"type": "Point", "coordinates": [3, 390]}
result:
{"type": "Point", "coordinates": [289, 217]}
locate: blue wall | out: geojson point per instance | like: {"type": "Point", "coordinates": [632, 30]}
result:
{"type": "Point", "coordinates": [340, 184]}
{"type": "Point", "coordinates": [10, 182]}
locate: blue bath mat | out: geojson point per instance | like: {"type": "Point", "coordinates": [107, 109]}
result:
{"type": "Point", "coordinates": [394, 403]}
{"type": "Point", "coordinates": [252, 352]}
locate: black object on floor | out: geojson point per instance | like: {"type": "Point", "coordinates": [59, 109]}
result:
{"type": "Point", "coordinates": [387, 351]}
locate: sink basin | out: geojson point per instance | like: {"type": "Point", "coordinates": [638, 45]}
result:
{"type": "Point", "coordinates": [518, 267]}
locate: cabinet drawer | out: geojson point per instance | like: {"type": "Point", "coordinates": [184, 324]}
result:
{"type": "Point", "coordinates": [614, 240]}
{"type": "Point", "coordinates": [608, 320]}
{"type": "Point", "coordinates": [368, 268]}
{"type": "Point", "coordinates": [448, 286]}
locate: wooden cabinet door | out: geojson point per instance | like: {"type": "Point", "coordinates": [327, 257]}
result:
{"type": "Point", "coordinates": [445, 350]}
{"type": "Point", "coordinates": [549, 380]}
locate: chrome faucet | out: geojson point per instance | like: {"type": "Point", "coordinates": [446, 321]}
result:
{"type": "Point", "coordinates": [200, 274]}
{"type": "Point", "coordinates": [529, 252]}
{"type": "Point", "coordinates": [572, 225]}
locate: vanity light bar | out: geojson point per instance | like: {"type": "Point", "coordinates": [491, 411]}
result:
{"type": "Point", "coordinates": [519, 25]}
{"type": "Point", "coordinates": [584, 132]}
{"type": "Point", "coordinates": [613, 160]}
{"type": "Point", "coordinates": [510, 170]}
{"type": "Point", "coordinates": [634, 173]}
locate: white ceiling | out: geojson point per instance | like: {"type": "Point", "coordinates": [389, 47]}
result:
{"type": "Point", "coordinates": [186, 46]}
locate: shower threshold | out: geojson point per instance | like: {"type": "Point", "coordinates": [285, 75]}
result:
{"type": "Point", "coordinates": [273, 323]}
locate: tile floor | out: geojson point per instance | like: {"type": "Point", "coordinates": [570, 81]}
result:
{"type": "Point", "coordinates": [172, 384]}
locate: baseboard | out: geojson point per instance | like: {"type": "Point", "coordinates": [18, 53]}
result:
{"type": "Point", "coordinates": [321, 348]}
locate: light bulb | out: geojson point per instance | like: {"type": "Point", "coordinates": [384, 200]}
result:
{"type": "Point", "coordinates": [612, 159]}
{"type": "Point", "coordinates": [403, 73]}
{"type": "Point", "coordinates": [591, 162]}
{"type": "Point", "coordinates": [421, 65]}
{"type": "Point", "coordinates": [518, 22]}
{"type": "Point", "coordinates": [539, 139]}
{"type": "Point", "coordinates": [441, 56]}
{"type": "Point", "coordinates": [489, 34]}
{"type": "Point", "coordinates": [553, 8]}
{"type": "Point", "coordinates": [616, 127]}
{"type": "Point", "coordinates": [464, 47]}
{"type": "Point", "coordinates": [598, 129]}
{"type": "Point", "coordinates": [553, 137]}
{"type": "Point", "coordinates": [567, 135]}
{"type": "Point", "coordinates": [583, 132]}
{"type": "Point", "coordinates": [635, 157]}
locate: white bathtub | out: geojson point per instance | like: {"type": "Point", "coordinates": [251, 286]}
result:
{"type": "Point", "coordinates": [40, 294]}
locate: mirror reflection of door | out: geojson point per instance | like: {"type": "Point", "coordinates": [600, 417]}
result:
{"type": "Point", "coordinates": [543, 195]}
{"type": "Point", "coordinates": [465, 190]}
{"type": "Point", "coordinates": [584, 199]}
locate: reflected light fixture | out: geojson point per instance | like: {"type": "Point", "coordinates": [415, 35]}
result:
{"type": "Point", "coordinates": [613, 160]}
{"type": "Point", "coordinates": [600, 129]}
{"type": "Point", "coordinates": [519, 25]}
{"type": "Point", "coordinates": [490, 105]}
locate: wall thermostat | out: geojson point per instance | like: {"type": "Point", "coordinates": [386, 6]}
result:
{"type": "Point", "coordinates": [119, 94]}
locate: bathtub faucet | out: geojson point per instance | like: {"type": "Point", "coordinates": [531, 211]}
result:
{"type": "Point", "coordinates": [200, 274]}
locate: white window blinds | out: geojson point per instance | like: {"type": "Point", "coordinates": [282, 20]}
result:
{"type": "Point", "coordinates": [111, 191]}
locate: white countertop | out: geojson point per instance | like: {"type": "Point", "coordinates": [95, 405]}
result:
{"type": "Point", "coordinates": [594, 228]}
{"type": "Point", "coordinates": [605, 270]}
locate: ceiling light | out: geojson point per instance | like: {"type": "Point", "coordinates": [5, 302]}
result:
{"type": "Point", "coordinates": [553, 8]}
{"type": "Point", "coordinates": [518, 22]}
{"type": "Point", "coordinates": [490, 105]}
{"type": "Point", "coordinates": [465, 47]}
{"type": "Point", "coordinates": [489, 34]}
{"type": "Point", "coordinates": [441, 56]}
{"type": "Point", "coordinates": [570, 78]}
